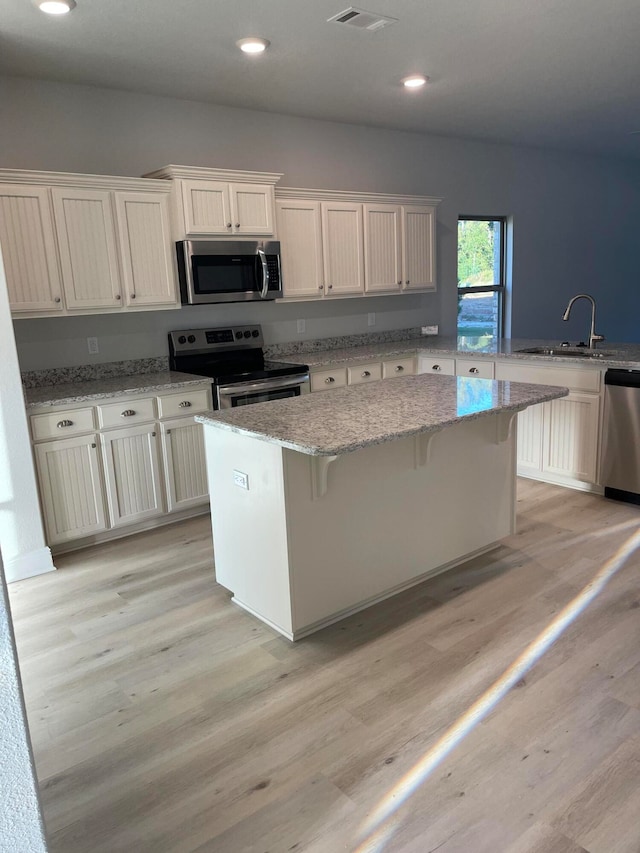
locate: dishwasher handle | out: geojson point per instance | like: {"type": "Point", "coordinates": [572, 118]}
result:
{"type": "Point", "coordinates": [624, 378]}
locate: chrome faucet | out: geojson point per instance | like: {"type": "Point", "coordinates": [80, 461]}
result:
{"type": "Point", "coordinates": [593, 337]}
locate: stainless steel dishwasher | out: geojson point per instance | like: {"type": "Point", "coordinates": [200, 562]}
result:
{"type": "Point", "coordinates": [621, 436]}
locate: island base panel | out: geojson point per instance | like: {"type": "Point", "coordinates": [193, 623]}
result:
{"type": "Point", "coordinates": [391, 516]}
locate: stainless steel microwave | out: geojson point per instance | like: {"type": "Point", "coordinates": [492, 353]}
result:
{"type": "Point", "coordinates": [228, 270]}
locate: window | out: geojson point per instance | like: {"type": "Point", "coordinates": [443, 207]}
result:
{"type": "Point", "coordinates": [481, 276]}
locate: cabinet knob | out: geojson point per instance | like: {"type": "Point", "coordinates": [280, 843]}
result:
{"type": "Point", "coordinates": [473, 370]}
{"type": "Point", "coordinates": [63, 424]}
{"type": "Point", "coordinates": [237, 224]}
{"type": "Point", "coordinates": [329, 380]}
{"type": "Point", "coordinates": [330, 287]}
{"type": "Point", "coordinates": [366, 373]}
{"type": "Point", "coordinates": [321, 287]}
{"type": "Point", "coordinates": [435, 367]}
{"type": "Point", "coordinates": [127, 413]}
{"type": "Point", "coordinates": [93, 444]}
{"type": "Point", "coordinates": [133, 296]}
{"type": "Point", "coordinates": [118, 296]}
{"type": "Point", "coordinates": [399, 368]}
{"type": "Point", "coordinates": [407, 281]}
{"type": "Point", "coordinates": [168, 432]}
{"type": "Point", "coordinates": [153, 434]}
{"type": "Point", "coordinates": [228, 225]}
{"type": "Point", "coordinates": [400, 283]}
{"type": "Point", "coordinates": [185, 404]}
{"type": "Point", "coordinates": [57, 299]}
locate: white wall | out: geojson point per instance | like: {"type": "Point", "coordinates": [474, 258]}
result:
{"type": "Point", "coordinates": [21, 827]}
{"type": "Point", "coordinates": [21, 534]}
{"type": "Point", "coordinates": [574, 216]}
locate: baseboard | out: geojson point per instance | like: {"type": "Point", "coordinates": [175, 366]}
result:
{"type": "Point", "coordinates": [29, 565]}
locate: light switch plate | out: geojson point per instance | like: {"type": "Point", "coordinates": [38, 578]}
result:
{"type": "Point", "coordinates": [301, 326]}
{"type": "Point", "coordinates": [92, 346]}
{"type": "Point", "coordinates": [241, 479]}
{"type": "Point", "coordinates": [429, 330]}
{"type": "Point", "coordinates": [371, 319]}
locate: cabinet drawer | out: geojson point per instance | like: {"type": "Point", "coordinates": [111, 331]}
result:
{"type": "Point", "coordinates": [325, 379]}
{"type": "Point", "coordinates": [364, 373]}
{"type": "Point", "coordinates": [62, 424]}
{"type": "Point", "coordinates": [474, 367]}
{"type": "Point", "coordinates": [126, 412]}
{"type": "Point", "coordinates": [186, 403]}
{"type": "Point", "coordinates": [574, 378]}
{"type": "Point", "coordinates": [398, 367]}
{"type": "Point", "coordinates": [434, 364]}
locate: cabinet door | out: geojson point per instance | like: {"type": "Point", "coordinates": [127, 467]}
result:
{"type": "Point", "coordinates": [28, 242]}
{"type": "Point", "coordinates": [570, 445]}
{"type": "Point", "coordinates": [70, 487]}
{"type": "Point", "coordinates": [382, 248]}
{"type": "Point", "coordinates": [145, 249]}
{"type": "Point", "coordinates": [132, 473]}
{"type": "Point", "coordinates": [206, 207]}
{"type": "Point", "coordinates": [300, 234]}
{"type": "Point", "coordinates": [252, 208]}
{"type": "Point", "coordinates": [87, 243]}
{"type": "Point", "coordinates": [530, 432]}
{"type": "Point", "coordinates": [184, 463]}
{"type": "Point", "coordinates": [418, 231]}
{"type": "Point", "coordinates": [342, 248]}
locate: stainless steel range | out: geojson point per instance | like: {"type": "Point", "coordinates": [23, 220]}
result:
{"type": "Point", "coordinates": [232, 356]}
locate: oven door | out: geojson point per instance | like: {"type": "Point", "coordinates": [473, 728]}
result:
{"type": "Point", "coordinates": [261, 391]}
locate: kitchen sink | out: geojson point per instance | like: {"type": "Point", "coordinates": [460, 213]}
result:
{"type": "Point", "coordinates": [572, 352]}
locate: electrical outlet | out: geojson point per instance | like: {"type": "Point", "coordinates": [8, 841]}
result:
{"type": "Point", "coordinates": [301, 326]}
{"type": "Point", "coordinates": [371, 319]}
{"type": "Point", "coordinates": [92, 346]}
{"type": "Point", "coordinates": [429, 330]}
{"type": "Point", "coordinates": [241, 479]}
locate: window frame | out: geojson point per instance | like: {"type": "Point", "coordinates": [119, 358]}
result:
{"type": "Point", "coordinates": [501, 288]}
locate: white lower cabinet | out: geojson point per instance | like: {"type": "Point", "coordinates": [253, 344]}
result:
{"type": "Point", "coordinates": [184, 463]}
{"type": "Point", "coordinates": [132, 473]}
{"type": "Point", "coordinates": [113, 471]}
{"type": "Point", "coordinates": [69, 474]}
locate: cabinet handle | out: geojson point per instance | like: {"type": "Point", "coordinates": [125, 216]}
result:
{"type": "Point", "coordinates": [473, 370]}
{"type": "Point", "coordinates": [329, 380]}
{"type": "Point", "coordinates": [399, 368]}
{"type": "Point", "coordinates": [435, 367]}
{"type": "Point", "coordinates": [228, 225]}
{"type": "Point", "coordinates": [65, 423]}
{"type": "Point", "coordinates": [237, 224]}
{"type": "Point", "coordinates": [153, 434]}
{"type": "Point", "coordinates": [168, 432]}
{"type": "Point", "coordinates": [330, 287]}
{"type": "Point", "coordinates": [57, 299]}
{"type": "Point", "coordinates": [93, 444]}
{"type": "Point", "coordinates": [400, 284]}
{"type": "Point", "coordinates": [127, 413]}
{"type": "Point", "coordinates": [133, 296]}
{"type": "Point", "coordinates": [366, 373]}
{"type": "Point", "coordinates": [407, 281]}
{"type": "Point", "coordinates": [185, 404]}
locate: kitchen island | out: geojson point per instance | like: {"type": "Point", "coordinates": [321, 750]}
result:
{"type": "Point", "coordinates": [325, 504]}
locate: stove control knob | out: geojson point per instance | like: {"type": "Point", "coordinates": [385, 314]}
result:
{"type": "Point", "coordinates": [238, 335]}
{"type": "Point", "coordinates": [192, 339]}
{"type": "Point", "coordinates": [247, 334]}
{"type": "Point", "coordinates": [255, 333]}
{"type": "Point", "coordinates": [182, 339]}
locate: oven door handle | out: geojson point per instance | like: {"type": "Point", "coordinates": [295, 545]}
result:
{"type": "Point", "coordinates": [265, 274]}
{"type": "Point", "coordinates": [263, 385]}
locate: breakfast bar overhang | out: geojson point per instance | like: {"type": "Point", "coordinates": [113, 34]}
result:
{"type": "Point", "coordinates": [325, 504]}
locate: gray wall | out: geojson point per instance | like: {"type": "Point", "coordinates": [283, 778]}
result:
{"type": "Point", "coordinates": [574, 217]}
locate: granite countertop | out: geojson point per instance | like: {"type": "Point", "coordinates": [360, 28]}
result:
{"type": "Point", "coordinates": [74, 393]}
{"type": "Point", "coordinates": [357, 416]}
{"type": "Point", "coordinates": [614, 355]}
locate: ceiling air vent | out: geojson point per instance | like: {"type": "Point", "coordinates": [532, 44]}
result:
{"type": "Point", "coordinates": [362, 20]}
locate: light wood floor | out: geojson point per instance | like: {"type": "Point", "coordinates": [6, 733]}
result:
{"type": "Point", "coordinates": [166, 720]}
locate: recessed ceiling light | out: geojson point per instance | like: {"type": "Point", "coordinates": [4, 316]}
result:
{"type": "Point", "coordinates": [253, 45]}
{"type": "Point", "coordinates": [55, 7]}
{"type": "Point", "coordinates": [415, 81]}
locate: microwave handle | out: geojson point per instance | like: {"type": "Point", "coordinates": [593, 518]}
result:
{"type": "Point", "coordinates": [265, 274]}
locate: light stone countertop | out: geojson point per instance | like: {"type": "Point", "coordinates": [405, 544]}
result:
{"type": "Point", "coordinates": [357, 416]}
{"type": "Point", "coordinates": [614, 354]}
{"type": "Point", "coordinates": [76, 393]}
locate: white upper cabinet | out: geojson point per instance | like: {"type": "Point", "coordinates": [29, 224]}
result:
{"type": "Point", "coordinates": [300, 228]}
{"type": "Point", "coordinates": [28, 243]}
{"type": "Point", "coordinates": [87, 245]}
{"type": "Point", "coordinates": [382, 248]}
{"type": "Point", "coordinates": [342, 248]}
{"type": "Point", "coordinates": [145, 245]}
{"type": "Point", "coordinates": [418, 260]}
{"type": "Point", "coordinates": [220, 202]}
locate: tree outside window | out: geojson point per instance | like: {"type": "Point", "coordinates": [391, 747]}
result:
{"type": "Point", "coordinates": [481, 277]}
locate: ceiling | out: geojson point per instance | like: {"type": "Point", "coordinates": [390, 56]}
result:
{"type": "Point", "coordinates": [553, 73]}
